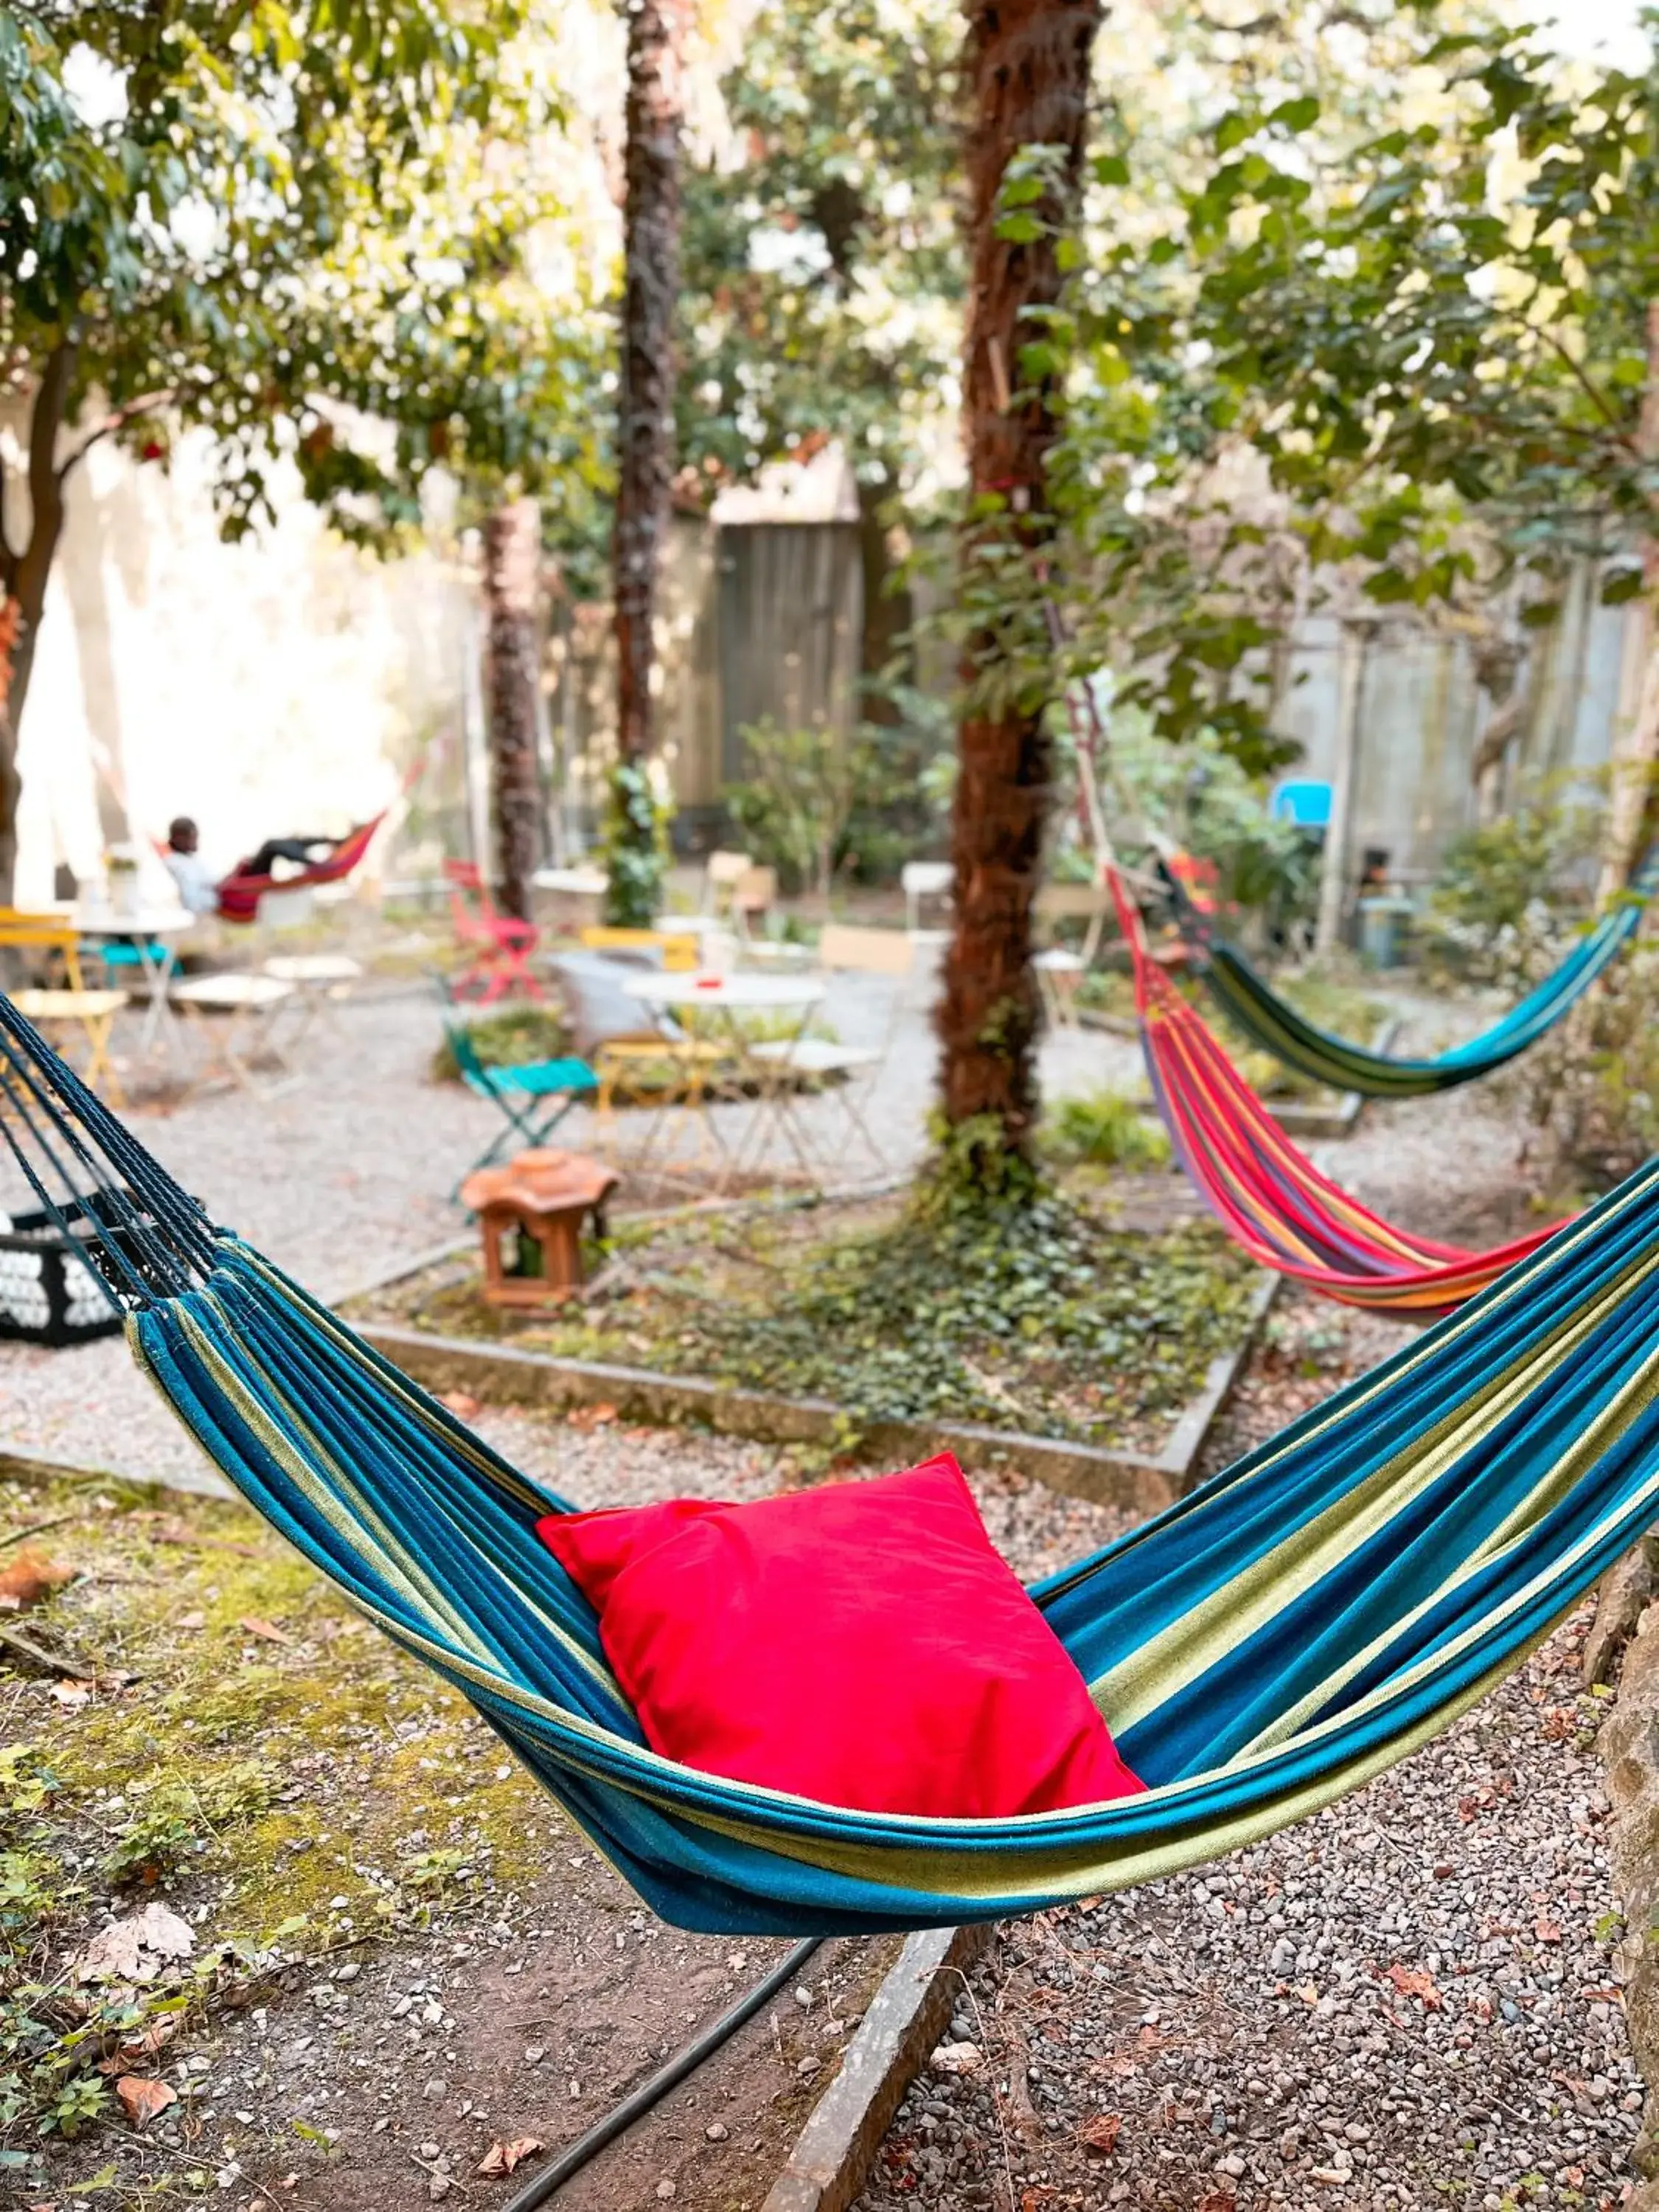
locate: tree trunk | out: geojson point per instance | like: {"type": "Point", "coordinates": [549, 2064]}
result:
{"type": "Point", "coordinates": [1026, 71]}
{"type": "Point", "coordinates": [513, 538]}
{"type": "Point", "coordinates": [25, 576]}
{"type": "Point", "coordinates": [1637, 750]}
{"type": "Point", "coordinates": [645, 428]}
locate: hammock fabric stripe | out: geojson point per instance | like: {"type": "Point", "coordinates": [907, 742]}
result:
{"type": "Point", "coordinates": [1249, 1000]}
{"type": "Point", "coordinates": [1305, 1620]}
{"type": "Point", "coordinates": [1267, 1195]}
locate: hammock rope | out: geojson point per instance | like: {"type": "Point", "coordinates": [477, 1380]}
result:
{"type": "Point", "coordinates": [1249, 1000]}
{"type": "Point", "coordinates": [1271, 1642]}
{"type": "Point", "coordinates": [1267, 1193]}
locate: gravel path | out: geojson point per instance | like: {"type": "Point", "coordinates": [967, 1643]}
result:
{"type": "Point", "coordinates": [1406, 2001]}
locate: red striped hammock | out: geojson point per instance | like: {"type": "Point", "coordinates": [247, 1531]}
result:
{"type": "Point", "coordinates": [240, 894]}
{"type": "Point", "coordinates": [1267, 1193]}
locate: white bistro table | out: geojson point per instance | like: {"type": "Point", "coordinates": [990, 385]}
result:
{"type": "Point", "coordinates": [732, 997]}
{"type": "Point", "coordinates": [248, 1006]}
{"type": "Point", "coordinates": [147, 930]}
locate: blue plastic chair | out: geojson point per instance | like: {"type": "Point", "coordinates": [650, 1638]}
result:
{"type": "Point", "coordinates": [534, 1096]}
{"type": "Point", "coordinates": [1307, 804]}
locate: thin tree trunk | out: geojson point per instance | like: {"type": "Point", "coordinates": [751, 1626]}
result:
{"type": "Point", "coordinates": [1634, 757]}
{"type": "Point", "coordinates": [25, 576]}
{"type": "Point", "coordinates": [1339, 834]}
{"type": "Point", "coordinates": [1026, 72]}
{"type": "Point", "coordinates": [645, 430]}
{"type": "Point", "coordinates": [511, 559]}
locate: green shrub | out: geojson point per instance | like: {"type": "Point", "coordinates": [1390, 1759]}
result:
{"type": "Point", "coordinates": [1107, 1129]}
{"type": "Point", "coordinates": [1590, 1089]}
{"type": "Point", "coordinates": [1503, 904]}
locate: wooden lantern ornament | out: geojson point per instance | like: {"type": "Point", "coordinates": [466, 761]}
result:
{"type": "Point", "coordinates": [530, 1215]}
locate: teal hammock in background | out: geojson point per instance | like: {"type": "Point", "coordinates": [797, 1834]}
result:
{"type": "Point", "coordinates": [1251, 1003]}
{"type": "Point", "coordinates": [1308, 1618]}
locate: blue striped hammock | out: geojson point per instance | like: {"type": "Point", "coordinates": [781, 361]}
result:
{"type": "Point", "coordinates": [1308, 1618]}
{"type": "Point", "coordinates": [1251, 1003]}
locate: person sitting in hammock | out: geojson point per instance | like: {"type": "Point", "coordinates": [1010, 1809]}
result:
{"type": "Point", "coordinates": [199, 892]}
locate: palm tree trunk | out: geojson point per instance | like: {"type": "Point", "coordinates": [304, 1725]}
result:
{"type": "Point", "coordinates": [1026, 70]}
{"type": "Point", "coordinates": [513, 538]}
{"type": "Point", "coordinates": [644, 428]}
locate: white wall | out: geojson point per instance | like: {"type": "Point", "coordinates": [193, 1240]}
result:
{"type": "Point", "coordinates": [276, 685]}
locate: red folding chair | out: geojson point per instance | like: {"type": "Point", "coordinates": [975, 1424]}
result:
{"type": "Point", "coordinates": [499, 947]}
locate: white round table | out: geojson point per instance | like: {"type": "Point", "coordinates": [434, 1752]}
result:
{"type": "Point", "coordinates": [144, 927]}
{"type": "Point", "coordinates": [732, 997]}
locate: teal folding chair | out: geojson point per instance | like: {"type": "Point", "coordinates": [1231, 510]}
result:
{"type": "Point", "coordinates": [534, 1096]}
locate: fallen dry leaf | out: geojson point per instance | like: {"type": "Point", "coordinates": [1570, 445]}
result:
{"type": "Point", "coordinates": [1218, 2200]}
{"type": "Point", "coordinates": [1100, 2132]}
{"type": "Point", "coordinates": [1413, 1982]}
{"type": "Point", "coordinates": [256, 1624]}
{"type": "Point", "coordinates": [30, 1578]}
{"type": "Point", "coordinates": [141, 2101]}
{"type": "Point", "coordinates": [503, 2157]}
{"type": "Point", "coordinates": [1548, 1931]}
{"type": "Point", "coordinates": [590, 1416]}
{"type": "Point", "coordinates": [464, 1408]}
{"type": "Point", "coordinates": [136, 1948]}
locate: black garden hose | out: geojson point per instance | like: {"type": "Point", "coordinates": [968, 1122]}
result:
{"type": "Point", "coordinates": [686, 2060]}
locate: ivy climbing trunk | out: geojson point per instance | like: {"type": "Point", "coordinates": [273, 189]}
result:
{"type": "Point", "coordinates": [1636, 749]}
{"type": "Point", "coordinates": [888, 613]}
{"type": "Point", "coordinates": [645, 423]}
{"type": "Point", "coordinates": [1026, 75]}
{"type": "Point", "coordinates": [511, 539]}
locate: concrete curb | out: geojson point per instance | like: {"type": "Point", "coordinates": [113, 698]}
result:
{"type": "Point", "coordinates": [37, 1466]}
{"type": "Point", "coordinates": [832, 2155]}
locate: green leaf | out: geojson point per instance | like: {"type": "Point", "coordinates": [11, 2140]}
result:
{"type": "Point", "coordinates": [1300, 114]}
{"type": "Point", "coordinates": [1233, 130]}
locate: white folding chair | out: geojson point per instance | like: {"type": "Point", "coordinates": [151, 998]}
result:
{"type": "Point", "coordinates": [723, 873]}
{"type": "Point", "coordinates": [846, 949]}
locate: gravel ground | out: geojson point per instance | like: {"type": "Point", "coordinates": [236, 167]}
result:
{"type": "Point", "coordinates": [1407, 2002]}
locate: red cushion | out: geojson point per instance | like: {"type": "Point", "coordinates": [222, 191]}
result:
{"type": "Point", "coordinates": [861, 1644]}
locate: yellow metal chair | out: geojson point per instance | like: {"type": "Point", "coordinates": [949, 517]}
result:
{"type": "Point", "coordinates": [63, 1002]}
{"type": "Point", "coordinates": [679, 951]}
{"type": "Point", "coordinates": [54, 934]}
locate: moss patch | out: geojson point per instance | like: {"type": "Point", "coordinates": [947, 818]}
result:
{"type": "Point", "coordinates": [253, 1755]}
